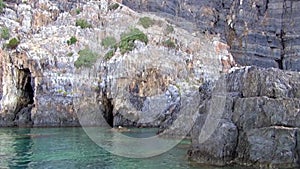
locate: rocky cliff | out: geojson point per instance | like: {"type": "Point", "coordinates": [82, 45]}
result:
{"type": "Point", "coordinates": [258, 123]}
{"type": "Point", "coordinates": [259, 32]}
{"type": "Point", "coordinates": [47, 80]}
{"type": "Point", "coordinates": [99, 63]}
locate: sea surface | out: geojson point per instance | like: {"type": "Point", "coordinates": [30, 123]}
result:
{"type": "Point", "coordinates": [57, 148]}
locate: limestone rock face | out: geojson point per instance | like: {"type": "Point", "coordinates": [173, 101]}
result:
{"type": "Point", "coordinates": [262, 33]}
{"type": "Point", "coordinates": [258, 124]}
{"type": "Point", "coordinates": [273, 147]}
{"type": "Point", "coordinates": [219, 148]}
{"type": "Point", "coordinates": [148, 86]}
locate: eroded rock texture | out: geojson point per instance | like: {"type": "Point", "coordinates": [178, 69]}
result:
{"type": "Point", "coordinates": [149, 86]}
{"type": "Point", "coordinates": [260, 32]}
{"type": "Point", "coordinates": [258, 123]}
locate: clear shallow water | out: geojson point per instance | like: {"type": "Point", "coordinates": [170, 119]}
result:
{"type": "Point", "coordinates": [71, 148]}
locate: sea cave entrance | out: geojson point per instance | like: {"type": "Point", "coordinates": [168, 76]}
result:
{"type": "Point", "coordinates": [25, 85]}
{"type": "Point", "coordinates": [108, 111]}
{"type": "Point", "coordinates": [25, 88]}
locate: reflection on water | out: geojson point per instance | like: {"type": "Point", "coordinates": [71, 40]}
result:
{"type": "Point", "coordinates": [15, 148]}
{"type": "Point", "coordinates": [72, 148]}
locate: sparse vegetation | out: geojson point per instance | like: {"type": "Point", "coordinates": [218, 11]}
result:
{"type": "Point", "coordinates": [83, 23]}
{"type": "Point", "coordinates": [70, 54]}
{"type": "Point", "coordinates": [109, 42]}
{"type": "Point", "coordinates": [96, 88]}
{"type": "Point", "coordinates": [65, 93]}
{"type": "Point", "coordinates": [2, 6]}
{"type": "Point", "coordinates": [113, 7]}
{"type": "Point", "coordinates": [72, 40]}
{"type": "Point", "coordinates": [13, 43]}
{"type": "Point", "coordinates": [5, 33]}
{"type": "Point", "coordinates": [60, 91]}
{"type": "Point", "coordinates": [146, 22]}
{"type": "Point", "coordinates": [169, 43]}
{"type": "Point", "coordinates": [109, 54]}
{"type": "Point", "coordinates": [169, 29]}
{"type": "Point", "coordinates": [127, 40]}
{"type": "Point", "coordinates": [126, 43]}
{"type": "Point", "coordinates": [86, 58]}
{"type": "Point", "coordinates": [179, 89]}
{"type": "Point", "coordinates": [78, 10]}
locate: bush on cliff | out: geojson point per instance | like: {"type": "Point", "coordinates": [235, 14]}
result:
{"type": "Point", "coordinates": [109, 42]}
{"type": "Point", "coordinates": [2, 6]}
{"type": "Point", "coordinates": [5, 33]}
{"type": "Point", "coordinates": [126, 43]}
{"type": "Point", "coordinates": [78, 10]}
{"type": "Point", "coordinates": [169, 29]}
{"type": "Point", "coordinates": [110, 54]}
{"type": "Point", "coordinates": [72, 40]}
{"type": "Point", "coordinates": [13, 43]}
{"type": "Point", "coordinates": [86, 58]}
{"type": "Point", "coordinates": [82, 23]}
{"type": "Point", "coordinates": [113, 7]}
{"type": "Point", "coordinates": [146, 22]}
{"type": "Point", "coordinates": [169, 43]}
{"type": "Point", "coordinates": [127, 40]}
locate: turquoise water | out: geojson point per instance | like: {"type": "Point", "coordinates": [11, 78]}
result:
{"type": "Point", "coordinates": [71, 148]}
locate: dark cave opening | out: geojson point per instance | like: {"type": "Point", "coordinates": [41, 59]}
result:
{"type": "Point", "coordinates": [108, 110]}
{"type": "Point", "coordinates": [25, 86]}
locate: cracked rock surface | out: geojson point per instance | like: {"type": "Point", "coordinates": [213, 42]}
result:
{"type": "Point", "coordinates": [258, 124]}
{"type": "Point", "coordinates": [264, 33]}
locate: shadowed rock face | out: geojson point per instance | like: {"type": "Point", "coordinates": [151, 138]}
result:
{"type": "Point", "coordinates": [259, 123]}
{"type": "Point", "coordinates": [262, 33]}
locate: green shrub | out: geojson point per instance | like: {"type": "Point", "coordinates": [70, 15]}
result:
{"type": "Point", "coordinates": [169, 43]}
{"type": "Point", "coordinates": [127, 40]}
{"type": "Point", "coordinates": [86, 58]}
{"type": "Point", "coordinates": [70, 54]}
{"type": "Point", "coordinates": [72, 40]}
{"type": "Point", "coordinates": [109, 54]}
{"type": "Point", "coordinates": [2, 6]}
{"type": "Point", "coordinates": [78, 11]}
{"type": "Point", "coordinates": [5, 33]}
{"type": "Point", "coordinates": [13, 43]}
{"type": "Point", "coordinates": [83, 23]}
{"type": "Point", "coordinates": [65, 93]}
{"type": "Point", "coordinates": [60, 91]}
{"type": "Point", "coordinates": [109, 42]}
{"type": "Point", "coordinates": [113, 7]}
{"type": "Point", "coordinates": [169, 29]}
{"type": "Point", "coordinates": [96, 88]}
{"type": "Point", "coordinates": [146, 22]}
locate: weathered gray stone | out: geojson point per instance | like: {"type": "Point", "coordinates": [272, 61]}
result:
{"type": "Point", "coordinates": [257, 82]}
{"type": "Point", "coordinates": [270, 147]}
{"type": "Point", "coordinates": [219, 148]}
{"type": "Point", "coordinates": [262, 107]}
{"type": "Point", "coordinates": [261, 33]}
{"type": "Point", "coordinates": [258, 112]}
